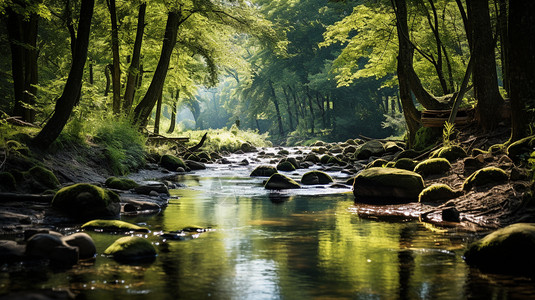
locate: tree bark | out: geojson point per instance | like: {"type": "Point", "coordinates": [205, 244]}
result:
{"type": "Point", "coordinates": [133, 70]}
{"type": "Point", "coordinates": [144, 108]}
{"type": "Point", "coordinates": [290, 116]}
{"type": "Point", "coordinates": [522, 63]}
{"type": "Point", "coordinates": [277, 109]}
{"type": "Point", "coordinates": [484, 77]}
{"type": "Point", "coordinates": [71, 92]}
{"type": "Point", "coordinates": [173, 112]}
{"type": "Point", "coordinates": [504, 43]}
{"type": "Point", "coordinates": [312, 120]}
{"type": "Point", "coordinates": [116, 73]}
{"type": "Point", "coordinates": [158, 115]}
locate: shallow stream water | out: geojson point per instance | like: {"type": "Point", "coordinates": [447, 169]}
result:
{"type": "Point", "coordinates": [304, 244]}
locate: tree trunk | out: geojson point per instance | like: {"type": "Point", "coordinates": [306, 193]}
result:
{"type": "Point", "coordinates": [158, 115]}
{"type": "Point", "coordinates": [116, 74]}
{"type": "Point", "coordinates": [133, 70]}
{"type": "Point", "coordinates": [522, 63]}
{"type": "Point", "coordinates": [290, 116]}
{"type": "Point", "coordinates": [71, 92]}
{"type": "Point", "coordinates": [277, 109]}
{"type": "Point", "coordinates": [504, 43]}
{"type": "Point", "coordinates": [107, 72]}
{"type": "Point", "coordinates": [312, 119]}
{"type": "Point", "coordinates": [144, 108]}
{"type": "Point", "coordinates": [173, 112]}
{"type": "Point", "coordinates": [412, 115]}
{"type": "Point", "coordinates": [484, 77]}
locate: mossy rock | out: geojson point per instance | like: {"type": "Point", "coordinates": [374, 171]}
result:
{"type": "Point", "coordinates": [391, 164]}
{"type": "Point", "coordinates": [86, 201]}
{"type": "Point", "coordinates": [521, 149]}
{"type": "Point", "coordinates": [263, 171]}
{"type": "Point", "coordinates": [291, 160]}
{"type": "Point", "coordinates": [280, 182]}
{"type": "Point", "coordinates": [113, 225]}
{"type": "Point", "coordinates": [121, 183]}
{"type": "Point", "coordinates": [433, 166]}
{"type": "Point", "coordinates": [485, 176]}
{"type": "Point", "coordinates": [437, 193]}
{"type": "Point", "coordinates": [392, 147]}
{"type": "Point", "coordinates": [387, 186]}
{"type": "Point", "coordinates": [7, 182]}
{"type": "Point", "coordinates": [405, 164]}
{"type": "Point", "coordinates": [378, 163]}
{"type": "Point", "coordinates": [42, 178]}
{"type": "Point", "coordinates": [427, 137]}
{"type": "Point", "coordinates": [131, 248]}
{"type": "Point", "coordinates": [335, 161]}
{"type": "Point", "coordinates": [409, 153]}
{"type": "Point", "coordinates": [370, 148]}
{"type": "Point", "coordinates": [320, 150]}
{"type": "Point", "coordinates": [325, 159]}
{"type": "Point", "coordinates": [311, 157]}
{"type": "Point", "coordinates": [451, 153]}
{"type": "Point", "coordinates": [316, 177]}
{"type": "Point", "coordinates": [172, 163]}
{"type": "Point", "coordinates": [285, 166]}
{"type": "Point", "coordinates": [508, 250]}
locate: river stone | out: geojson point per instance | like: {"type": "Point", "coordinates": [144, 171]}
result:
{"type": "Point", "coordinates": [451, 153]}
{"type": "Point", "coordinates": [316, 177]}
{"type": "Point", "coordinates": [409, 153]}
{"type": "Point", "coordinates": [311, 157]}
{"type": "Point", "coordinates": [120, 183]}
{"type": "Point", "coordinates": [171, 162]}
{"type": "Point", "coordinates": [433, 166]}
{"type": "Point", "coordinates": [370, 148]}
{"type": "Point", "coordinates": [11, 251]}
{"type": "Point", "coordinates": [247, 147]}
{"type": "Point", "coordinates": [263, 171]}
{"type": "Point", "coordinates": [485, 176]}
{"type": "Point", "coordinates": [285, 166]}
{"type": "Point", "coordinates": [280, 182]}
{"type": "Point", "coordinates": [86, 201]}
{"type": "Point", "coordinates": [84, 243]}
{"type": "Point", "coordinates": [131, 248]}
{"type": "Point", "coordinates": [507, 250]}
{"type": "Point", "coordinates": [149, 186]}
{"type": "Point", "coordinates": [292, 160]}
{"type": "Point", "coordinates": [113, 226]}
{"type": "Point", "coordinates": [437, 193]}
{"type": "Point", "coordinates": [52, 247]}
{"type": "Point", "coordinates": [42, 179]}
{"type": "Point", "coordinates": [392, 147]}
{"type": "Point", "coordinates": [387, 185]}
{"type": "Point", "coordinates": [378, 163]}
{"type": "Point", "coordinates": [193, 165]}
{"type": "Point", "coordinates": [405, 164]}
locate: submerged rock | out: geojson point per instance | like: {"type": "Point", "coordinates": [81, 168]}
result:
{"type": "Point", "coordinates": [113, 225]}
{"type": "Point", "coordinates": [485, 176]}
{"type": "Point", "coordinates": [121, 183]}
{"type": "Point", "coordinates": [86, 201]}
{"type": "Point", "coordinates": [280, 182]}
{"type": "Point", "coordinates": [507, 250]}
{"type": "Point", "coordinates": [387, 185]}
{"type": "Point", "coordinates": [316, 177]}
{"type": "Point", "coordinates": [171, 162]}
{"type": "Point", "coordinates": [263, 171]}
{"type": "Point", "coordinates": [433, 166]}
{"type": "Point", "coordinates": [131, 248]}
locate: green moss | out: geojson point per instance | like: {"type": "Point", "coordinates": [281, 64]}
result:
{"type": "Point", "coordinates": [263, 171]}
{"type": "Point", "coordinates": [433, 166]}
{"type": "Point", "coordinates": [521, 149]}
{"type": "Point", "coordinates": [451, 153]}
{"type": "Point", "coordinates": [377, 163]}
{"type": "Point", "coordinates": [405, 164]}
{"type": "Point", "coordinates": [437, 192]}
{"type": "Point", "coordinates": [477, 151]}
{"type": "Point", "coordinates": [335, 161]}
{"type": "Point", "coordinates": [280, 182]}
{"type": "Point", "coordinates": [291, 160]}
{"type": "Point", "coordinates": [427, 137]}
{"type": "Point", "coordinates": [121, 183]}
{"type": "Point", "coordinates": [86, 201]}
{"type": "Point", "coordinates": [171, 162]}
{"type": "Point", "coordinates": [285, 166]}
{"type": "Point", "coordinates": [7, 182]}
{"type": "Point", "coordinates": [391, 164]}
{"type": "Point", "coordinates": [388, 183]}
{"type": "Point", "coordinates": [498, 149]}
{"type": "Point", "coordinates": [409, 153]}
{"type": "Point", "coordinates": [507, 250]}
{"type": "Point", "coordinates": [316, 177]}
{"type": "Point", "coordinates": [113, 225]}
{"type": "Point", "coordinates": [130, 248]}
{"type": "Point", "coordinates": [370, 148]}
{"type": "Point", "coordinates": [485, 176]}
{"type": "Point", "coordinates": [44, 177]}
{"type": "Point", "coordinates": [325, 159]}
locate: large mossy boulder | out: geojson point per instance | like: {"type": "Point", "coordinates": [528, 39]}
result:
{"type": "Point", "coordinates": [387, 185]}
{"type": "Point", "coordinates": [42, 179]}
{"type": "Point", "coordinates": [405, 164]}
{"type": "Point", "coordinates": [433, 166]}
{"type": "Point", "coordinates": [86, 201]}
{"type": "Point", "coordinates": [316, 177]}
{"type": "Point", "coordinates": [437, 193]}
{"type": "Point", "coordinates": [172, 163]}
{"type": "Point", "coordinates": [485, 176]}
{"type": "Point", "coordinates": [124, 184]}
{"type": "Point", "coordinates": [263, 171]}
{"type": "Point", "coordinates": [370, 148]}
{"type": "Point", "coordinates": [507, 250]}
{"type": "Point", "coordinates": [285, 166]}
{"type": "Point", "coordinates": [113, 226]}
{"type": "Point", "coordinates": [280, 182]}
{"type": "Point", "coordinates": [521, 148]}
{"type": "Point", "coordinates": [451, 153]}
{"type": "Point", "coordinates": [131, 248]}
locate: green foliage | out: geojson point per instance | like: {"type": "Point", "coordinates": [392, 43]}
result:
{"type": "Point", "coordinates": [226, 140]}
{"type": "Point", "coordinates": [448, 134]}
{"type": "Point", "coordinates": [426, 137]}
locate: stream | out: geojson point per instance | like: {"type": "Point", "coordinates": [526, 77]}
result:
{"type": "Point", "coordinates": [304, 244]}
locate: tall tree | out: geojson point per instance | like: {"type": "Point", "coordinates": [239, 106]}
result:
{"type": "Point", "coordinates": [133, 70]}
{"type": "Point", "coordinates": [484, 76]}
{"type": "Point", "coordinates": [71, 91]}
{"type": "Point", "coordinates": [521, 25]}
{"type": "Point", "coordinates": [116, 70]}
